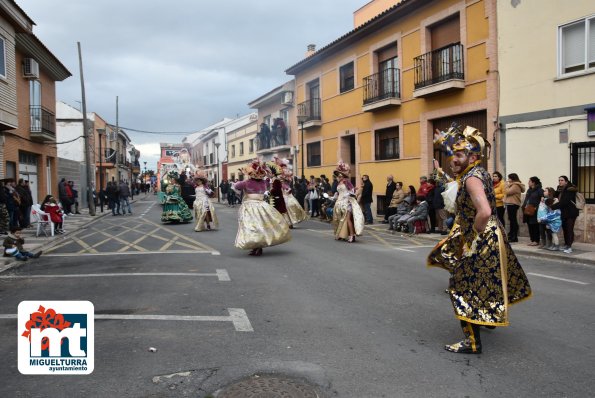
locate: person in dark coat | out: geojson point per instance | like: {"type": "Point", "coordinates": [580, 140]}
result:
{"type": "Point", "coordinates": [25, 204]}
{"type": "Point", "coordinates": [390, 189]}
{"type": "Point", "coordinates": [532, 199]}
{"type": "Point", "coordinates": [566, 194]}
{"type": "Point", "coordinates": [366, 199]}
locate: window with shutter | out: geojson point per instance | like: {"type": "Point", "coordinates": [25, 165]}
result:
{"type": "Point", "coordinates": [577, 46]}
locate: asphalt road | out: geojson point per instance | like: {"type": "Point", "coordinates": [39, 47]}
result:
{"type": "Point", "coordinates": [367, 319]}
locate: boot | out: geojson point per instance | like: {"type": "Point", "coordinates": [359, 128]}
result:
{"type": "Point", "coordinates": [471, 344]}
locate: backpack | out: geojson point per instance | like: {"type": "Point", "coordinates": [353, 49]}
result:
{"type": "Point", "coordinates": [579, 201]}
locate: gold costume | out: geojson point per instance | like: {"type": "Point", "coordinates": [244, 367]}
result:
{"type": "Point", "coordinates": [486, 276]}
{"type": "Point", "coordinates": [345, 205]}
{"type": "Point", "coordinates": [260, 225]}
{"type": "Point", "coordinates": [204, 211]}
{"type": "Point", "coordinates": [295, 212]}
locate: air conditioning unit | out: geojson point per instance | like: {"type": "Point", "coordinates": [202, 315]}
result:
{"type": "Point", "coordinates": [30, 68]}
{"type": "Point", "coordinates": [287, 98]}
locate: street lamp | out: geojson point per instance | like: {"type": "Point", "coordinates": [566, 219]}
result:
{"type": "Point", "coordinates": [100, 133]}
{"type": "Point", "coordinates": [217, 171]}
{"type": "Point", "coordinates": [301, 120]}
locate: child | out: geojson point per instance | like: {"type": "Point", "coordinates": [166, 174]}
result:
{"type": "Point", "coordinates": [553, 223]}
{"type": "Point", "coordinates": [13, 246]}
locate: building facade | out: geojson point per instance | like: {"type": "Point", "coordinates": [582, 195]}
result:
{"type": "Point", "coordinates": [29, 72]}
{"type": "Point", "coordinates": [547, 101]}
{"type": "Point", "coordinates": [241, 145]}
{"type": "Point", "coordinates": [374, 97]}
{"type": "Point", "coordinates": [276, 110]}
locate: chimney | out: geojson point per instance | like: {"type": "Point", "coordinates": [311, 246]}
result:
{"type": "Point", "coordinates": [311, 50]}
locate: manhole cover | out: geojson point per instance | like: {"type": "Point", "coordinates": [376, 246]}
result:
{"type": "Point", "coordinates": [269, 387]}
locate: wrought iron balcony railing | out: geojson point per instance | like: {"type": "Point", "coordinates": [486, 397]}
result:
{"type": "Point", "coordinates": [42, 120]}
{"type": "Point", "coordinates": [437, 66]}
{"type": "Point", "coordinates": [382, 85]}
{"type": "Point", "coordinates": [310, 110]}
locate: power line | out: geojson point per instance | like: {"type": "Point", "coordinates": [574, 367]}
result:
{"type": "Point", "coordinates": [154, 132]}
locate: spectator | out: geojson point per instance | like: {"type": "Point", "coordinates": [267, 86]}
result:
{"type": "Point", "coordinates": [440, 212]}
{"type": "Point", "coordinates": [224, 188]}
{"type": "Point", "coordinates": [4, 216]}
{"type": "Point", "coordinates": [395, 199]}
{"type": "Point", "coordinates": [424, 187]}
{"type": "Point", "coordinates": [430, 199]}
{"type": "Point", "coordinates": [26, 201]}
{"type": "Point", "coordinates": [13, 246]}
{"type": "Point", "coordinates": [566, 204]}
{"type": "Point", "coordinates": [402, 209]}
{"type": "Point", "coordinates": [124, 197]}
{"type": "Point", "coordinates": [75, 196]}
{"type": "Point", "coordinates": [12, 202]}
{"type": "Point", "coordinates": [553, 223]}
{"type": "Point", "coordinates": [418, 213]}
{"type": "Point", "coordinates": [113, 196]}
{"type": "Point", "coordinates": [530, 205]}
{"type": "Point", "coordinates": [499, 193]}
{"type": "Point", "coordinates": [368, 189]}
{"type": "Point", "coordinates": [50, 206]}
{"type": "Point", "coordinates": [388, 196]}
{"type": "Point", "coordinates": [512, 200]}
{"type": "Point", "coordinates": [334, 185]}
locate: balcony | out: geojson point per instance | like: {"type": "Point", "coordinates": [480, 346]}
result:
{"type": "Point", "coordinates": [43, 124]}
{"type": "Point", "coordinates": [381, 90]}
{"type": "Point", "coordinates": [109, 159]}
{"type": "Point", "coordinates": [278, 140]}
{"type": "Point", "coordinates": [310, 110]}
{"type": "Point", "coordinates": [438, 71]}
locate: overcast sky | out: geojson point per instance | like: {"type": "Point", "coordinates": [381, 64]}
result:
{"type": "Point", "coordinates": [180, 65]}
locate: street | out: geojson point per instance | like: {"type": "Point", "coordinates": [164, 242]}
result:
{"type": "Point", "coordinates": [367, 319]}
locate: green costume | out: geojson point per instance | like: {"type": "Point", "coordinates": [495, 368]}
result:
{"type": "Point", "coordinates": [174, 208]}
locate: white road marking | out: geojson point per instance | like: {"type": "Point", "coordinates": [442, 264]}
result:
{"type": "Point", "coordinates": [237, 316]}
{"type": "Point", "coordinates": [558, 279]}
{"type": "Point", "coordinates": [221, 274]}
{"type": "Point", "coordinates": [213, 252]}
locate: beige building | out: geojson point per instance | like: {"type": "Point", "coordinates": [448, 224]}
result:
{"type": "Point", "coordinates": [547, 74]}
{"type": "Point", "coordinates": [241, 145]}
{"type": "Point", "coordinates": [275, 113]}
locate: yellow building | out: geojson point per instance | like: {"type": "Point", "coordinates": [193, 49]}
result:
{"type": "Point", "coordinates": [374, 96]}
{"type": "Point", "coordinates": [241, 145]}
{"type": "Point", "coordinates": [547, 97]}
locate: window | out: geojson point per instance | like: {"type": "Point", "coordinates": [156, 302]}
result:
{"type": "Point", "coordinates": [577, 46]}
{"type": "Point", "coordinates": [313, 154]}
{"type": "Point", "coordinates": [251, 146]}
{"type": "Point", "coordinates": [346, 76]}
{"type": "Point", "coordinates": [387, 143]}
{"type": "Point", "coordinates": [233, 151]}
{"type": "Point", "coordinates": [2, 57]}
{"type": "Point", "coordinates": [241, 148]}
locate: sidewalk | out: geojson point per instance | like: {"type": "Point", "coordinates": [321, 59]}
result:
{"type": "Point", "coordinates": [583, 253]}
{"type": "Point", "coordinates": [72, 224]}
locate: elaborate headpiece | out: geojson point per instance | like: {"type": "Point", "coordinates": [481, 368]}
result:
{"type": "Point", "coordinates": [256, 169]}
{"type": "Point", "coordinates": [274, 169]}
{"type": "Point", "coordinates": [469, 140]}
{"type": "Point", "coordinates": [342, 169]}
{"type": "Point", "coordinates": [201, 175]}
{"type": "Point", "coordinates": [284, 171]}
{"type": "Point", "coordinates": [173, 175]}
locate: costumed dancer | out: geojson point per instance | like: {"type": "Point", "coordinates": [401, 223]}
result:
{"type": "Point", "coordinates": [174, 207]}
{"type": "Point", "coordinates": [296, 213]}
{"type": "Point", "coordinates": [204, 211]}
{"type": "Point", "coordinates": [259, 224]}
{"type": "Point", "coordinates": [276, 193]}
{"type": "Point", "coordinates": [348, 219]}
{"type": "Point", "coordinates": [485, 275]}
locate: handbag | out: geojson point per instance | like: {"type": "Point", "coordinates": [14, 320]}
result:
{"type": "Point", "coordinates": [529, 210]}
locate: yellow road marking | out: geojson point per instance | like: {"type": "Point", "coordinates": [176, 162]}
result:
{"type": "Point", "coordinates": [168, 244]}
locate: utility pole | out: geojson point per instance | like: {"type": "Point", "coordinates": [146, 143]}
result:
{"type": "Point", "coordinates": [87, 143]}
{"type": "Point", "coordinates": [117, 137]}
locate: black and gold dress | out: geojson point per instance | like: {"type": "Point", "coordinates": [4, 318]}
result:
{"type": "Point", "coordinates": [486, 276]}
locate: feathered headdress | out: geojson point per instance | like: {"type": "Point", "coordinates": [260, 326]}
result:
{"type": "Point", "coordinates": [256, 169]}
{"type": "Point", "coordinates": [342, 169]}
{"type": "Point", "coordinates": [173, 175]}
{"type": "Point", "coordinates": [274, 168]}
{"type": "Point", "coordinates": [201, 174]}
{"type": "Point", "coordinates": [469, 140]}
